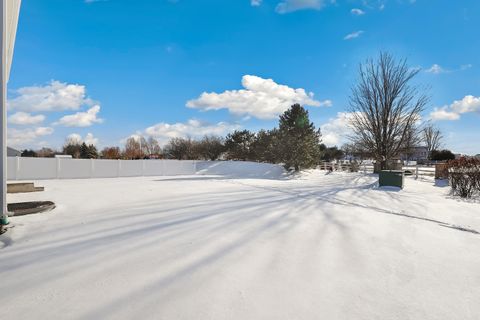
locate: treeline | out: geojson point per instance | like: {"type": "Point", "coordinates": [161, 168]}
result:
{"type": "Point", "coordinates": [295, 143]}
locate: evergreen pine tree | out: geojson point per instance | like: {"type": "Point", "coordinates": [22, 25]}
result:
{"type": "Point", "coordinates": [299, 140]}
{"type": "Point", "coordinates": [84, 151]}
{"type": "Point", "coordinates": [92, 152]}
{"type": "Point", "coordinates": [88, 151]}
{"type": "Point", "coordinates": [265, 145]}
{"type": "Point", "coordinates": [239, 145]}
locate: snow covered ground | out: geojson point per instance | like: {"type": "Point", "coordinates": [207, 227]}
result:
{"type": "Point", "coordinates": [315, 246]}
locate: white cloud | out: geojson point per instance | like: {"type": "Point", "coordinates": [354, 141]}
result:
{"type": "Point", "coordinates": [75, 138]}
{"type": "Point", "coordinates": [336, 130]}
{"type": "Point", "coordinates": [436, 69]}
{"type": "Point", "coordinates": [381, 4]}
{"type": "Point", "coordinates": [24, 118]}
{"type": "Point", "coordinates": [353, 35]}
{"type": "Point", "coordinates": [255, 3]}
{"type": "Point", "coordinates": [24, 137]}
{"type": "Point", "coordinates": [192, 128]}
{"type": "Point", "coordinates": [55, 96]}
{"type": "Point", "coordinates": [357, 12]}
{"type": "Point", "coordinates": [261, 98]}
{"type": "Point", "coordinates": [453, 112]}
{"type": "Point", "coordinates": [444, 114]}
{"type": "Point", "coordinates": [287, 6]}
{"type": "Point", "coordinates": [467, 104]}
{"type": "Point", "coordinates": [81, 119]}
{"type": "Point", "coordinates": [89, 139]}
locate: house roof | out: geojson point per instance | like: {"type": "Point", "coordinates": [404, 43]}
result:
{"type": "Point", "coordinates": [13, 152]}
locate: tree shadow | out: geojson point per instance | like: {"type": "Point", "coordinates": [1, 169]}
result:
{"type": "Point", "coordinates": [441, 183]}
{"type": "Point", "coordinates": [245, 213]}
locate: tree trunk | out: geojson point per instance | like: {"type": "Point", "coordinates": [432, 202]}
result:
{"type": "Point", "coordinates": [383, 165]}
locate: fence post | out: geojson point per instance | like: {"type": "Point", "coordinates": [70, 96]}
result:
{"type": "Point", "coordinates": [119, 167]}
{"type": "Point", "coordinates": [17, 167]}
{"type": "Point", "coordinates": [57, 165]}
{"type": "Point", "coordinates": [416, 171]}
{"type": "Point", "coordinates": [143, 167]}
{"type": "Point", "coordinates": [92, 168]}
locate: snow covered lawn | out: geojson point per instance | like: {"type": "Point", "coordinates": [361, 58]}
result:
{"type": "Point", "coordinates": [206, 247]}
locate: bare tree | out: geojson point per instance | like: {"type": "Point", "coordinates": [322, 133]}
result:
{"type": "Point", "coordinates": [385, 107]}
{"type": "Point", "coordinates": [111, 153]}
{"type": "Point", "coordinates": [210, 147]}
{"type": "Point", "coordinates": [432, 137]}
{"type": "Point", "coordinates": [181, 149]}
{"type": "Point", "coordinates": [411, 142]}
{"type": "Point", "coordinates": [153, 147]}
{"type": "Point", "coordinates": [144, 148]}
{"type": "Point", "coordinates": [72, 146]}
{"type": "Point", "coordinates": [46, 153]}
{"type": "Point", "coordinates": [133, 149]}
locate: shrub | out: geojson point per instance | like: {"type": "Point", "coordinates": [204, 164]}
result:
{"type": "Point", "coordinates": [442, 155]}
{"type": "Point", "coordinates": [464, 176]}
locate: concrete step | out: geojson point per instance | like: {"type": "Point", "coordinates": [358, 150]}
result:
{"type": "Point", "coordinates": [21, 187]}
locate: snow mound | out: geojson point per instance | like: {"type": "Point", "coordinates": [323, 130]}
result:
{"type": "Point", "coordinates": [241, 169]}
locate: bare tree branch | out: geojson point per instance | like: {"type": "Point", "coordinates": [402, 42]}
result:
{"type": "Point", "coordinates": [385, 107]}
{"type": "Point", "coordinates": [432, 137]}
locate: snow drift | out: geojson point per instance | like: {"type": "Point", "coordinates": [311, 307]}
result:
{"type": "Point", "coordinates": [241, 169]}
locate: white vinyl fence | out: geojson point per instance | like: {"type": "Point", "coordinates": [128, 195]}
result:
{"type": "Point", "coordinates": [61, 168]}
{"type": "Point", "coordinates": [65, 168]}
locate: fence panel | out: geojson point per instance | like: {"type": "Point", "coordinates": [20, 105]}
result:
{"type": "Point", "coordinates": [154, 168]}
{"type": "Point", "coordinates": [36, 168]}
{"type": "Point", "coordinates": [176, 167]}
{"type": "Point", "coordinates": [105, 168]}
{"type": "Point", "coordinates": [130, 168]}
{"type": "Point", "coordinates": [12, 168]}
{"type": "Point", "coordinates": [74, 168]}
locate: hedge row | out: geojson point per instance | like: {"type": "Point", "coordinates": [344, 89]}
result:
{"type": "Point", "coordinates": [464, 176]}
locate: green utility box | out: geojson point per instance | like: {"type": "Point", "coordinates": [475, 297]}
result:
{"type": "Point", "coordinates": [391, 178]}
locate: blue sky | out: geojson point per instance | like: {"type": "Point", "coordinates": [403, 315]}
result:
{"type": "Point", "coordinates": [104, 70]}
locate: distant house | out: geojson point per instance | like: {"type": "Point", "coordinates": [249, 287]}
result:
{"type": "Point", "coordinates": [419, 153]}
{"type": "Point", "coordinates": [13, 153]}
